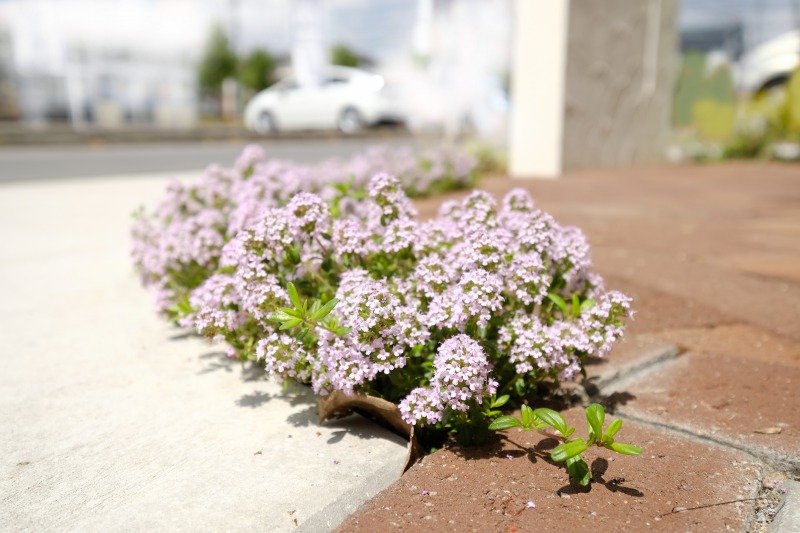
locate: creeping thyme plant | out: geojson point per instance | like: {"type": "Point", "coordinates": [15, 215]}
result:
{"type": "Point", "coordinates": [324, 276]}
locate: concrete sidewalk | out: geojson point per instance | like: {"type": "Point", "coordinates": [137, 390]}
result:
{"type": "Point", "coordinates": [111, 419]}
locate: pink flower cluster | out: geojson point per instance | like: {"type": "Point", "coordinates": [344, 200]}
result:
{"type": "Point", "coordinates": [432, 314]}
{"type": "Point", "coordinates": [461, 376]}
{"type": "Point", "coordinates": [180, 243]}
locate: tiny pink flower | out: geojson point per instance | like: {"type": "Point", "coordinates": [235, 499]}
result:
{"type": "Point", "coordinates": [531, 505]}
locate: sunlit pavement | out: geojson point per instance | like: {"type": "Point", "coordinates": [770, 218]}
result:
{"type": "Point", "coordinates": [111, 419]}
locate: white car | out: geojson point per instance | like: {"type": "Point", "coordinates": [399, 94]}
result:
{"type": "Point", "coordinates": [769, 64]}
{"type": "Point", "coordinates": [348, 99]}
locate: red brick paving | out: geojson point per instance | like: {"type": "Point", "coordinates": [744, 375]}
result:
{"type": "Point", "coordinates": [711, 255]}
{"type": "Point", "coordinates": [480, 489]}
{"type": "Point", "coordinates": [741, 402]}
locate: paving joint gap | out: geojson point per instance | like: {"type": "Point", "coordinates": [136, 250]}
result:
{"type": "Point", "coordinates": [783, 464]}
{"type": "Point", "coordinates": [770, 500]}
{"type": "Point", "coordinates": [604, 387]}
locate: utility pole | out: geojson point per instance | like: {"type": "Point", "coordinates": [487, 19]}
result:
{"type": "Point", "coordinates": [231, 86]}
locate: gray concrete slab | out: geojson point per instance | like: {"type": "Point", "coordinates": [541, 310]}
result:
{"type": "Point", "coordinates": [110, 419]}
{"type": "Point", "coordinates": [787, 520]}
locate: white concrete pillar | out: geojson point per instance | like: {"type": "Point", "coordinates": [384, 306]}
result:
{"type": "Point", "coordinates": [592, 84]}
{"type": "Point", "coordinates": [309, 51]}
{"type": "Point", "coordinates": [539, 67]}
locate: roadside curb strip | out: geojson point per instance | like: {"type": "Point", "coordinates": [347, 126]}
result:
{"type": "Point", "coordinates": [347, 503]}
{"type": "Point", "coordinates": [787, 519]}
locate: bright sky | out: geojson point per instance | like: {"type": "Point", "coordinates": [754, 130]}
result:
{"type": "Point", "coordinates": [179, 28]}
{"type": "Point", "coordinates": [42, 28]}
{"type": "Point", "coordinates": [763, 19]}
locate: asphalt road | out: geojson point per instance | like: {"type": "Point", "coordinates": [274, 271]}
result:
{"type": "Point", "coordinates": [54, 163]}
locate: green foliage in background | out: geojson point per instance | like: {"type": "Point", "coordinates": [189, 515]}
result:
{"type": "Point", "coordinates": [767, 118]}
{"type": "Point", "coordinates": [257, 70]}
{"type": "Point", "coordinates": [491, 158]}
{"type": "Point", "coordinates": [714, 113]}
{"type": "Point", "coordinates": [793, 102]}
{"type": "Point", "coordinates": [218, 63]}
{"type": "Point", "coordinates": [705, 102]}
{"type": "Point", "coordinates": [343, 56]}
{"type": "Point", "coordinates": [688, 88]}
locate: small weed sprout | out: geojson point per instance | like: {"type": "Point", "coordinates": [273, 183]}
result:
{"type": "Point", "coordinates": [571, 449]}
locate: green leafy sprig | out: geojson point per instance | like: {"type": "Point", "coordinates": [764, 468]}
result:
{"type": "Point", "coordinates": [305, 318]}
{"type": "Point", "coordinates": [571, 449]}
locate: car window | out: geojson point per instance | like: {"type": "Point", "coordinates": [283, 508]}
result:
{"type": "Point", "coordinates": [336, 80]}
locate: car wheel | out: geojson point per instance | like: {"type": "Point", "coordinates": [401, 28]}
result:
{"type": "Point", "coordinates": [265, 124]}
{"type": "Point", "coordinates": [350, 121]}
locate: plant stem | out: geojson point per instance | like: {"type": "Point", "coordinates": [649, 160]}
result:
{"type": "Point", "coordinates": [507, 385]}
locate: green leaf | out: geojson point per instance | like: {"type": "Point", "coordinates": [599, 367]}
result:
{"type": "Point", "coordinates": [289, 311]}
{"type": "Point", "coordinates": [569, 432]}
{"type": "Point", "coordinates": [568, 449]}
{"type": "Point", "coordinates": [579, 470]}
{"type": "Point", "coordinates": [447, 415]}
{"type": "Point", "coordinates": [624, 449]}
{"type": "Point", "coordinates": [613, 428]}
{"type": "Point", "coordinates": [289, 324]}
{"type": "Point", "coordinates": [323, 311]}
{"type": "Point", "coordinates": [281, 316]}
{"type": "Point", "coordinates": [575, 308]}
{"type": "Point", "coordinates": [501, 401]}
{"type": "Point", "coordinates": [292, 290]}
{"type": "Point", "coordinates": [595, 415]}
{"type": "Point", "coordinates": [552, 418]}
{"type": "Point", "coordinates": [294, 254]}
{"type": "Point", "coordinates": [527, 416]}
{"type": "Point", "coordinates": [505, 422]}
{"type": "Point", "coordinates": [226, 270]}
{"type": "Point", "coordinates": [587, 304]}
{"type": "Point", "coordinates": [559, 301]}
{"type": "Point", "coordinates": [519, 387]}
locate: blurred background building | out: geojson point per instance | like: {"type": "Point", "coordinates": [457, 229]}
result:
{"type": "Point", "coordinates": [111, 64]}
